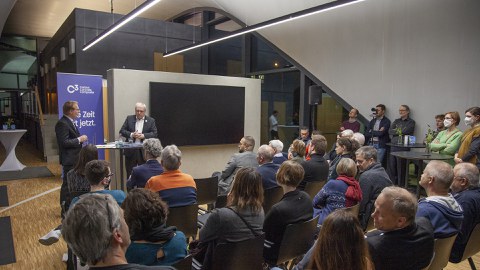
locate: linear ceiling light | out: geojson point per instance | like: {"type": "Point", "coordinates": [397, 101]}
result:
{"type": "Point", "coordinates": [124, 20]}
{"type": "Point", "coordinates": [269, 23]}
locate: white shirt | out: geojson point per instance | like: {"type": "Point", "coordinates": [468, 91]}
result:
{"type": "Point", "coordinates": [139, 127]}
{"type": "Point", "coordinates": [273, 123]}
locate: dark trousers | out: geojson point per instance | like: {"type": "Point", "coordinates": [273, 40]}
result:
{"type": "Point", "coordinates": [397, 167]}
{"type": "Point", "coordinates": [64, 188]}
{"type": "Point", "coordinates": [133, 159]}
{"type": "Point", "coordinates": [274, 135]}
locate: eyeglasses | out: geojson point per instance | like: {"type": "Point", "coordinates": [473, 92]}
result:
{"type": "Point", "coordinates": [448, 118]}
{"type": "Point", "coordinates": [110, 175]}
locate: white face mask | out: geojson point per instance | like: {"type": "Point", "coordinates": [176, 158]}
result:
{"type": "Point", "coordinates": [468, 121]}
{"type": "Point", "coordinates": [447, 123]}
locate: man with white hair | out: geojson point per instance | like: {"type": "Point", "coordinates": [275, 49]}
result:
{"type": "Point", "coordinates": [277, 146]}
{"type": "Point", "coordinates": [467, 193]}
{"type": "Point", "coordinates": [152, 148]}
{"type": "Point", "coordinates": [137, 127]}
{"type": "Point", "coordinates": [440, 207]}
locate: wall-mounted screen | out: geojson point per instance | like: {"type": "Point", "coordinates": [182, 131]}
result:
{"type": "Point", "coordinates": [192, 114]}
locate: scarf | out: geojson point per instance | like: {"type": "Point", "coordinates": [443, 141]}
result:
{"type": "Point", "coordinates": [467, 138]}
{"type": "Point", "coordinates": [353, 194]}
{"type": "Point", "coordinates": [157, 234]}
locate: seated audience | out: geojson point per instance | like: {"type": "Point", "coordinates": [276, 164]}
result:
{"type": "Point", "coordinates": [372, 178]}
{"type": "Point", "coordinates": [243, 217]}
{"type": "Point", "coordinates": [174, 187]}
{"type": "Point", "coordinates": [352, 122]}
{"type": "Point", "coordinates": [296, 152]}
{"type": "Point", "coordinates": [153, 243]}
{"type": "Point", "coordinates": [400, 242]}
{"type": "Point", "coordinates": [338, 193]}
{"type": "Point", "coordinates": [279, 157]}
{"type": "Point", "coordinates": [467, 193]}
{"type": "Point", "coordinates": [267, 169]}
{"type": "Point", "coordinates": [76, 181]}
{"type": "Point", "coordinates": [152, 148]}
{"type": "Point", "coordinates": [359, 137]}
{"type": "Point", "coordinates": [345, 148]}
{"type": "Point", "coordinates": [245, 158]}
{"type": "Point", "coordinates": [440, 207]}
{"type": "Point", "coordinates": [95, 230]}
{"type": "Point", "coordinates": [294, 207]}
{"type": "Point", "coordinates": [316, 169]}
{"type": "Point", "coordinates": [348, 133]}
{"type": "Point", "coordinates": [469, 150]}
{"type": "Point", "coordinates": [447, 141]}
{"type": "Point", "coordinates": [99, 176]}
{"type": "Point", "coordinates": [340, 245]}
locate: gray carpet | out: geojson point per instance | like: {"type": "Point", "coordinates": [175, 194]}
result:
{"type": "Point", "coordinates": [3, 196]}
{"type": "Point", "coordinates": [7, 251]}
{"type": "Point", "coordinates": [28, 172]}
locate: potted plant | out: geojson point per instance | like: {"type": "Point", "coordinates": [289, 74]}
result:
{"type": "Point", "coordinates": [399, 133]}
{"type": "Point", "coordinates": [429, 136]}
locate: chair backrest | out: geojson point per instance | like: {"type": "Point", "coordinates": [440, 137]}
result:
{"type": "Point", "coordinates": [312, 188]}
{"type": "Point", "coordinates": [353, 209]}
{"type": "Point", "coordinates": [207, 189]}
{"type": "Point", "coordinates": [297, 240]}
{"type": "Point", "coordinates": [271, 196]}
{"type": "Point", "coordinates": [473, 244]}
{"type": "Point", "coordinates": [184, 218]}
{"type": "Point", "coordinates": [242, 255]}
{"type": "Point", "coordinates": [442, 250]}
{"type": "Point", "coordinates": [184, 264]}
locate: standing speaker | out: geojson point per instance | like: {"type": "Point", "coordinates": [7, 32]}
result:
{"type": "Point", "coordinates": [315, 95]}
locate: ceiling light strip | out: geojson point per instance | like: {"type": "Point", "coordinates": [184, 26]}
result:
{"type": "Point", "coordinates": [124, 20]}
{"type": "Point", "coordinates": [269, 23]}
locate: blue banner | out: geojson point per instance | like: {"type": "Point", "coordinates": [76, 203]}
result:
{"type": "Point", "coordinates": [87, 91]}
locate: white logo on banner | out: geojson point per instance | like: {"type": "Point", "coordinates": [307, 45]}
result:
{"type": "Point", "coordinates": [82, 89]}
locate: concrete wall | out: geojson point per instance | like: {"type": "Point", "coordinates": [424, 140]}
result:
{"type": "Point", "coordinates": [126, 87]}
{"type": "Point", "coordinates": [421, 53]}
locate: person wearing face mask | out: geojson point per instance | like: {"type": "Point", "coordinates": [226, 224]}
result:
{"type": "Point", "coordinates": [448, 140]}
{"type": "Point", "coordinates": [470, 143]}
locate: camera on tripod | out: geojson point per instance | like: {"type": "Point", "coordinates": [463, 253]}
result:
{"type": "Point", "coordinates": [374, 111]}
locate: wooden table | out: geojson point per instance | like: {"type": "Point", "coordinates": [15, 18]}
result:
{"type": "Point", "coordinates": [9, 138]}
{"type": "Point", "coordinates": [420, 156]}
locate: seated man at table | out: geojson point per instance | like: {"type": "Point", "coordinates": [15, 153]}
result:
{"type": "Point", "coordinates": [401, 241]}
{"type": "Point", "coordinates": [467, 193]}
{"type": "Point", "coordinates": [140, 174]}
{"type": "Point", "coordinates": [440, 207]}
{"type": "Point", "coordinates": [175, 188]}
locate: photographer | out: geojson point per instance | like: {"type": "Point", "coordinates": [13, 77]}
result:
{"type": "Point", "coordinates": [376, 133]}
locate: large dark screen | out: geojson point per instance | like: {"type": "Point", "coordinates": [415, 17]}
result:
{"type": "Point", "coordinates": [192, 114]}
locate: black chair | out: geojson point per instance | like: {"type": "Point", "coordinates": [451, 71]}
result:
{"type": "Point", "coordinates": [271, 196]}
{"type": "Point", "coordinates": [472, 247]}
{"type": "Point", "coordinates": [185, 219]}
{"type": "Point", "coordinates": [297, 240]}
{"type": "Point", "coordinates": [242, 255]}
{"type": "Point", "coordinates": [219, 203]}
{"type": "Point", "coordinates": [312, 188]}
{"type": "Point", "coordinates": [184, 264]}
{"type": "Point", "coordinates": [354, 209]}
{"type": "Point", "coordinates": [207, 189]}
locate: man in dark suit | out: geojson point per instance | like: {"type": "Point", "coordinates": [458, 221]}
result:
{"type": "Point", "coordinates": [316, 169]}
{"type": "Point", "coordinates": [267, 169]}
{"type": "Point", "coordinates": [69, 142]}
{"type": "Point", "coordinates": [137, 127]}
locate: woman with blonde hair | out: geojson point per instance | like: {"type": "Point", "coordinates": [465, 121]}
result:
{"type": "Point", "coordinates": [338, 193]}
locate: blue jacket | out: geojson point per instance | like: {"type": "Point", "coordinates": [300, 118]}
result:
{"type": "Point", "coordinates": [268, 172]}
{"type": "Point", "coordinates": [142, 173]}
{"type": "Point", "coordinates": [445, 220]}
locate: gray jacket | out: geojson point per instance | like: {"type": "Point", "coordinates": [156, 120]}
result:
{"type": "Point", "coordinates": [237, 161]}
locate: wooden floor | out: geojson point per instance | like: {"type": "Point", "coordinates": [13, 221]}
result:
{"type": "Point", "coordinates": [36, 217]}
